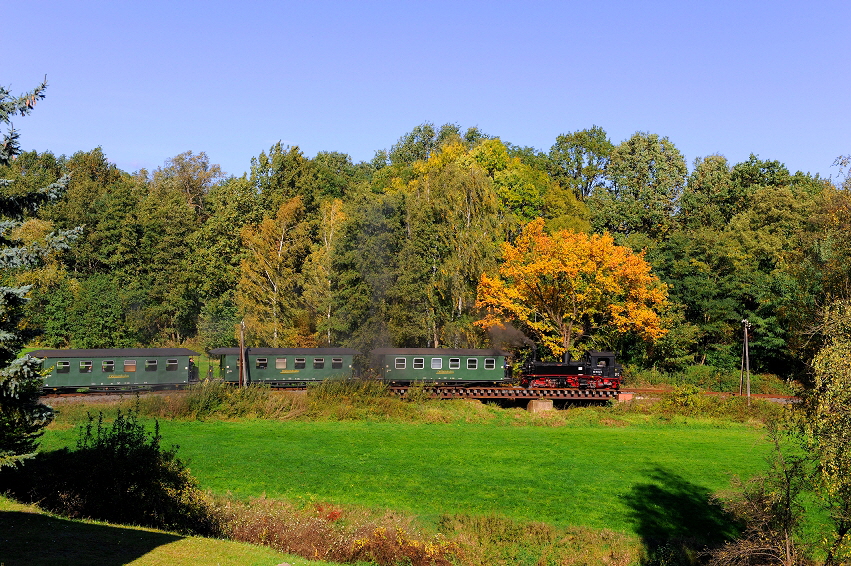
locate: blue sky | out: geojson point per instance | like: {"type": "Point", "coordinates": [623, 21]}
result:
{"type": "Point", "coordinates": [149, 80]}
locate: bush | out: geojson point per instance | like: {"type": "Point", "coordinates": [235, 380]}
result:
{"type": "Point", "coordinates": [330, 532]}
{"type": "Point", "coordinates": [708, 378]}
{"type": "Point", "coordinates": [120, 473]}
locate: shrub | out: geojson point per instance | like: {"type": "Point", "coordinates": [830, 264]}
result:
{"type": "Point", "coordinates": [330, 532]}
{"type": "Point", "coordinates": [120, 473]}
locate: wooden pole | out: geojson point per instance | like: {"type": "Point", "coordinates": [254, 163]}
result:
{"type": "Point", "coordinates": [747, 326]}
{"type": "Point", "coordinates": [243, 376]}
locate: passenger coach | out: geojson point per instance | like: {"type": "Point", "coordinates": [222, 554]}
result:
{"type": "Point", "coordinates": [283, 367]}
{"type": "Point", "coordinates": [125, 369]}
{"type": "Point", "coordinates": [442, 365]}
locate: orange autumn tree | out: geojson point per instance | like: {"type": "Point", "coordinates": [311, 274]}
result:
{"type": "Point", "coordinates": [564, 287]}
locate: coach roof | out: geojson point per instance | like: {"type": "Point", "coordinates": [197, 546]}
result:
{"type": "Point", "coordinates": [116, 353]}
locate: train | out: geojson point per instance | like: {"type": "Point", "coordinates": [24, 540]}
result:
{"type": "Point", "coordinates": [595, 370]}
{"type": "Point", "coordinates": [131, 369]}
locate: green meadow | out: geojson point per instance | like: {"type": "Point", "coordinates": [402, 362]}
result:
{"type": "Point", "coordinates": [634, 477]}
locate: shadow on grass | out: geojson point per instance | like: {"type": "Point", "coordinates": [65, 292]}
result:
{"type": "Point", "coordinates": [675, 519]}
{"type": "Point", "coordinates": [34, 539]}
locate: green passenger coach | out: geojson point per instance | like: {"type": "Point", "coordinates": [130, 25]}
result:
{"type": "Point", "coordinates": [124, 369]}
{"type": "Point", "coordinates": [286, 367]}
{"type": "Point", "coordinates": [442, 365]}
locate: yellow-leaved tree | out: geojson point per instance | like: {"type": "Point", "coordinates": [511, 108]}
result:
{"type": "Point", "coordinates": [563, 288]}
{"type": "Point", "coordinates": [269, 293]}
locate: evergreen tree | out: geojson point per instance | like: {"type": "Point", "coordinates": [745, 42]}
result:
{"type": "Point", "coordinates": [21, 415]}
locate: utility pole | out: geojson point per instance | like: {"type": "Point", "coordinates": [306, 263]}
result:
{"type": "Point", "coordinates": [746, 326]}
{"type": "Point", "coordinates": [243, 374]}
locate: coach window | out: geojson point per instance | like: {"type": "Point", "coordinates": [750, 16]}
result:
{"type": "Point", "coordinates": [171, 365]}
{"type": "Point", "coordinates": [280, 363]}
{"type": "Point", "coordinates": [63, 367]}
{"type": "Point", "coordinates": [261, 363]}
{"type": "Point", "coordinates": [336, 363]}
{"type": "Point", "coordinates": [150, 365]}
{"type": "Point", "coordinates": [85, 367]}
{"type": "Point", "coordinates": [419, 363]}
{"type": "Point", "coordinates": [129, 365]}
{"type": "Point", "coordinates": [318, 363]}
{"type": "Point", "coordinates": [400, 363]}
{"type": "Point", "coordinates": [300, 363]}
{"type": "Point", "coordinates": [437, 363]}
{"type": "Point", "coordinates": [490, 363]}
{"type": "Point", "coordinates": [454, 363]}
{"type": "Point", "coordinates": [107, 366]}
{"type": "Point", "coordinates": [472, 363]}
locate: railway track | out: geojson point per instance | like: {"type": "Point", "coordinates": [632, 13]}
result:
{"type": "Point", "coordinates": [452, 392]}
{"type": "Point", "coordinates": [479, 392]}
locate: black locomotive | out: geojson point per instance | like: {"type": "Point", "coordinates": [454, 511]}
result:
{"type": "Point", "coordinates": [595, 370]}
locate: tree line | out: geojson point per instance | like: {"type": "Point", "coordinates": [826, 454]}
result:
{"type": "Point", "coordinates": [318, 251]}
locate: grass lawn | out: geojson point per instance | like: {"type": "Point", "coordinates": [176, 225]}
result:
{"type": "Point", "coordinates": [30, 537]}
{"type": "Point", "coordinates": [632, 478]}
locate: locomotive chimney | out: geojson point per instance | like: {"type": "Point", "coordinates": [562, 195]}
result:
{"type": "Point", "coordinates": [566, 357]}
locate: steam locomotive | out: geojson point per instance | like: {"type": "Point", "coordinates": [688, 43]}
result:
{"type": "Point", "coordinates": [595, 370]}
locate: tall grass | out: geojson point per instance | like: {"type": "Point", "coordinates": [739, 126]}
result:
{"type": "Point", "coordinates": [332, 532]}
{"type": "Point", "coordinates": [689, 401]}
{"type": "Point", "coordinates": [351, 534]}
{"type": "Point", "coordinates": [708, 378]}
{"type": "Point", "coordinates": [214, 398]}
{"type": "Point", "coordinates": [336, 400]}
{"type": "Point", "coordinates": [356, 400]}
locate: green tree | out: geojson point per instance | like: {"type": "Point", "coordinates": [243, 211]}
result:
{"type": "Point", "coordinates": [366, 264]}
{"type": "Point", "coordinates": [709, 199]}
{"type": "Point", "coordinates": [159, 283]}
{"type": "Point", "coordinates": [420, 143]}
{"type": "Point", "coordinates": [647, 174]}
{"type": "Point", "coordinates": [282, 174]}
{"type": "Point", "coordinates": [578, 160]}
{"type": "Point", "coordinates": [22, 416]}
{"type": "Point", "coordinates": [190, 175]}
{"type": "Point", "coordinates": [335, 173]}
{"type": "Point", "coordinates": [452, 227]}
{"type": "Point", "coordinates": [217, 251]}
{"type": "Point", "coordinates": [104, 201]}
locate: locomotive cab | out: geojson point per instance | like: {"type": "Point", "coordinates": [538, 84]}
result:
{"type": "Point", "coordinates": [604, 369]}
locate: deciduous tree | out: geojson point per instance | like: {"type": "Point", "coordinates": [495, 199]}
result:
{"type": "Point", "coordinates": [269, 291]}
{"type": "Point", "coordinates": [318, 276]}
{"type": "Point", "coordinates": [826, 428]}
{"type": "Point", "coordinates": [563, 288]}
{"type": "Point", "coordinates": [647, 175]}
{"type": "Point", "coordinates": [190, 175]}
{"type": "Point", "coordinates": [578, 160]}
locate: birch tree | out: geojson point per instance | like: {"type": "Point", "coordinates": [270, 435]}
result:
{"type": "Point", "coordinates": [269, 292]}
